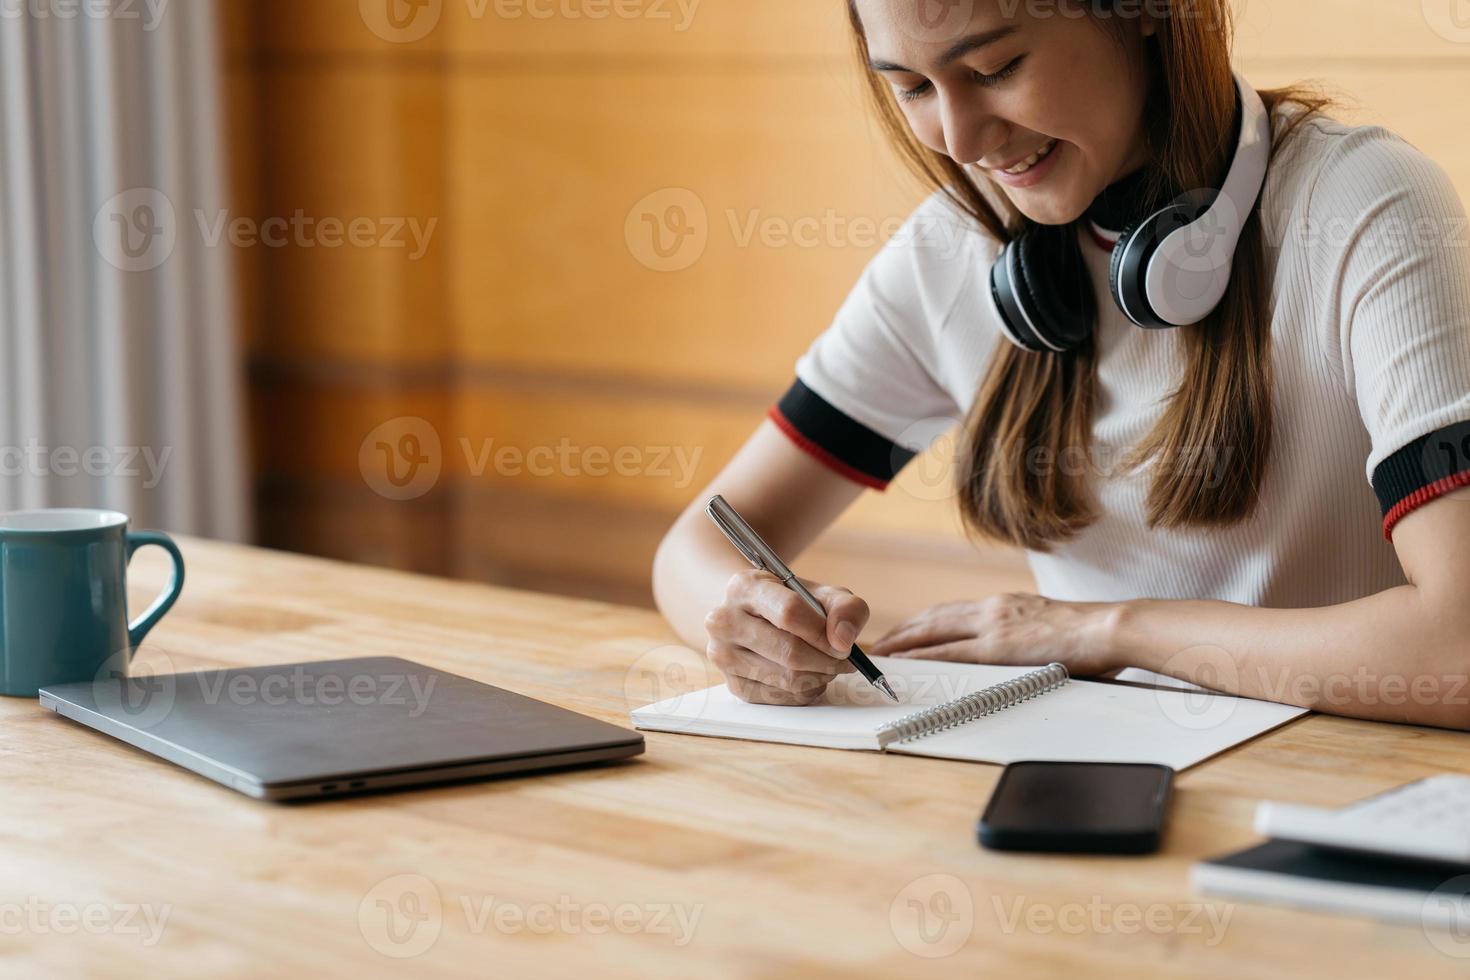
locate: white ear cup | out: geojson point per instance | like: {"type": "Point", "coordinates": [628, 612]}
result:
{"type": "Point", "coordinates": [1186, 274]}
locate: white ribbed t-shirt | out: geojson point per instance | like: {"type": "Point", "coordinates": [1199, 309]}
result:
{"type": "Point", "coordinates": [1368, 257]}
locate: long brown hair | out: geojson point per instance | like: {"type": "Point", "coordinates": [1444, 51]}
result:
{"type": "Point", "coordinates": [1038, 406]}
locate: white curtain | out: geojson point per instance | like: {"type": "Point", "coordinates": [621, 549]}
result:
{"type": "Point", "coordinates": [120, 377]}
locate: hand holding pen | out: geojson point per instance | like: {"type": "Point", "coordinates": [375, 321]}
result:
{"type": "Point", "coordinates": [774, 639]}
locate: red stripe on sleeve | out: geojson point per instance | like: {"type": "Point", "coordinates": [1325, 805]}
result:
{"type": "Point", "coordinates": [1421, 497]}
{"type": "Point", "coordinates": [820, 454]}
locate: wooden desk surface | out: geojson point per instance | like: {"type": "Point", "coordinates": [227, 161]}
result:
{"type": "Point", "coordinates": [703, 857]}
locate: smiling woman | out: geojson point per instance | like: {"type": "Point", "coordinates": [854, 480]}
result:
{"type": "Point", "coordinates": [1242, 303]}
{"type": "Point", "coordinates": [1107, 90]}
{"type": "Point", "coordinates": [1000, 99]}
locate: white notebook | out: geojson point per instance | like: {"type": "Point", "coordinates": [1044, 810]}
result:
{"type": "Point", "coordinates": [990, 714]}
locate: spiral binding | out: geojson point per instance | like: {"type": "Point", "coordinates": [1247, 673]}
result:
{"type": "Point", "coordinates": [972, 706]}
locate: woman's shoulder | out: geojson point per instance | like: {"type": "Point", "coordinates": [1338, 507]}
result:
{"type": "Point", "coordinates": [931, 263]}
{"type": "Point", "coordinates": [940, 228]}
{"type": "Point", "coordinates": [1331, 170]}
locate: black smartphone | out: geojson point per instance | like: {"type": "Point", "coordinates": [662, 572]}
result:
{"type": "Point", "coordinates": [1077, 807]}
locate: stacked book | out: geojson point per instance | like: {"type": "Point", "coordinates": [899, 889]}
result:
{"type": "Point", "coordinates": [1403, 856]}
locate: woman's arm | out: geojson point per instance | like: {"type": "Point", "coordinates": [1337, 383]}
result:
{"type": "Point", "coordinates": [1402, 655]}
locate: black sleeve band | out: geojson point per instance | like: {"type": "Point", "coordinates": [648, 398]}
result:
{"type": "Point", "coordinates": [838, 440]}
{"type": "Point", "coordinates": [1424, 470]}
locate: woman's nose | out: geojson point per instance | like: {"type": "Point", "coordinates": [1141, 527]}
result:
{"type": "Point", "coordinates": [970, 132]}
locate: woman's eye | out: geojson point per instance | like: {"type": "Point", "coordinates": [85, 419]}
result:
{"type": "Point", "coordinates": [925, 87]}
{"type": "Point", "coordinates": [1001, 75]}
{"type": "Point", "coordinates": [917, 92]}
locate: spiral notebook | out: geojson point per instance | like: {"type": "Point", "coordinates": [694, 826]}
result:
{"type": "Point", "coordinates": [983, 713]}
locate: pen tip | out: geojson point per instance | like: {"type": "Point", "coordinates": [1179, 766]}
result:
{"type": "Point", "coordinates": [883, 685]}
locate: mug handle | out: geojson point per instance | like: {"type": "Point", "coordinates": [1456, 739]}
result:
{"type": "Point", "coordinates": [139, 627]}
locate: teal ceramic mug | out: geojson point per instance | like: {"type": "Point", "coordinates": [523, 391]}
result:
{"type": "Point", "coordinates": [64, 598]}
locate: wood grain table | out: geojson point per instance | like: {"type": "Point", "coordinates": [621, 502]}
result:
{"type": "Point", "coordinates": [704, 857]}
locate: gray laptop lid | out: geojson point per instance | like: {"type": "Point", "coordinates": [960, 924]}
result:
{"type": "Point", "coordinates": [333, 720]}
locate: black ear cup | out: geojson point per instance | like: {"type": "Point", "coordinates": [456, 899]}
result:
{"type": "Point", "coordinates": [1042, 290]}
{"type": "Point", "coordinates": [1131, 255]}
{"type": "Point", "coordinates": [1017, 321]}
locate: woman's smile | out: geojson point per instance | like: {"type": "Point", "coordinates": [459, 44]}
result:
{"type": "Point", "coordinates": [1034, 169]}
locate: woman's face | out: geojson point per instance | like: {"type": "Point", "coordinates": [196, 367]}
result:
{"type": "Point", "coordinates": [992, 82]}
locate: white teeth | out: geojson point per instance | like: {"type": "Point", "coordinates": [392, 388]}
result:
{"type": "Point", "coordinates": [1032, 160]}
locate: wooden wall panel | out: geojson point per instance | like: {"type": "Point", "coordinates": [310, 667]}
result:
{"type": "Point", "coordinates": [361, 147]}
{"type": "Point", "coordinates": [381, 28]}
{"type": "Point", "coordinates": [531, 29]}
{"type": "Point", "coordinates": [536, 317]}
{"type": "Point", "coordinates": [557, 231]}
{"type": "Point", "coordinates": [742, 29]}
{"type": "Point", "coordinates": [1352, 30]}
{"type": "Point", "coordinates": [1412, 101]}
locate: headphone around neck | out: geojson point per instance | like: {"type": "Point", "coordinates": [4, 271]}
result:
{"type": "Point", "coordinates": [1170, 269]}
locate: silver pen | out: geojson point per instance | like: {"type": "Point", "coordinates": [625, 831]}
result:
{"type": "Point", "coordinates": [759, 554]}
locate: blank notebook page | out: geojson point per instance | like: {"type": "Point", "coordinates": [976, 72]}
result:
{"type": "Point", "coordinates": [1081, 721]}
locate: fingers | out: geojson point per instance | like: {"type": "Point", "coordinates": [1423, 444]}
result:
{"type": "Point", "coordinates": [957, 652]}
{"type": "Point", "coordinates": [763, 595]}
{"type": "Point", "coordinates": [846, 614]}
{"type": "Point", "coordinates": [738, 628]}
{"type": "Point", "coordinates": [744, 664]}
{"type": "Point", "coordinates": [775, 649]}
{"type": "Point", "coordinates": [924, 632]}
